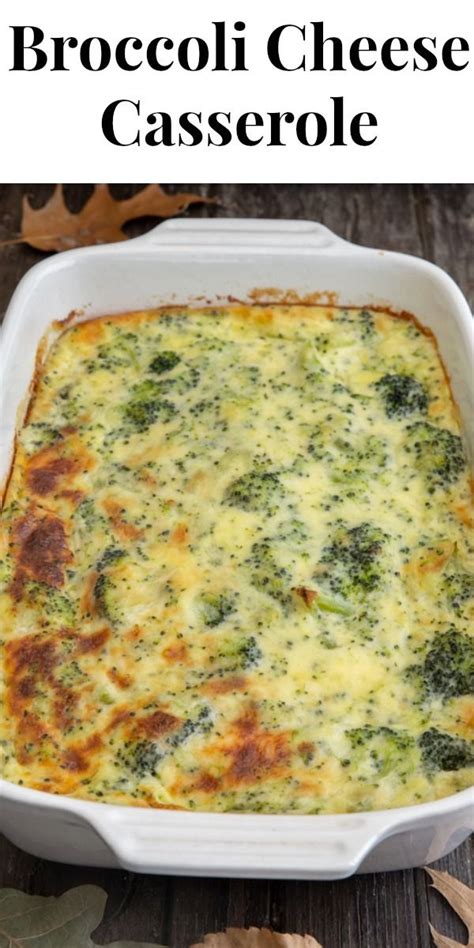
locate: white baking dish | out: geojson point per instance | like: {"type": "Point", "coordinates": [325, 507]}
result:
{"type": "Point", "coordinates": [184, 262]}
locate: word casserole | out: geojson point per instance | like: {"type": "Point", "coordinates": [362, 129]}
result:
{"type": "Point", "coordinates": [238, 565]}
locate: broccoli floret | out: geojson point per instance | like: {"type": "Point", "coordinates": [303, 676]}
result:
{"type": "Point", "coordinates": [57, 608]}
{"type": "Point", "coordinates": [250, 652]}
{"type": "Point", "coordinates": [253, 491]}
{"type": "Point", "coordinates": [382, 748]}
{"type": "Point", "coordinates": [107, 598]}
{"type": "Point", "coordinates": [71, 674]}
{"type": "Point", "coordinates": [353, 560]}
{"type": "Point", "coordinates": [144, 414]}
{"type": "Point", "coordinates": [216, 608]}
{"type": "Point", "coordinates": [147, 406]}
{"type": "Point", "coordinates": [201, 724]}
{"type": "Point", "coordinates": [292, 531]}
{"type": "Point", "coordinates": [448, 668]}
{"type": "Point", "coordinates": [402, 395]}
{"type": "Point", "coordinates": [438, 453]}
{"type": "Point", "coordinates": [458, 586]}
{"type": "Point", "coordinates": [361, 320]}
{"type": "Point", "coordinates": [366, 324]}
{"type": "Point", "coordinates": [141, 757]}
{"type": "Point", "coordinates": [88, 514]}
{"type": "Point", "coordinates": [266, 575]}
{"type": "Point", "coordinates": [441, 751]}
{"type": "Point", "coordinates": [6, 571]}
{"type": "Point", "coordinates": [110, 555]}
{"type": "Point", "coordinates": [164, 362]}
{"type": "Point", "coordinates": [146, 391]}
{"type": "Point", "coordinates": [179, 384]}
{"type": "Point", "coordinates": [38, 435]}
{"type": "Point", "coordinates": [238, 654]}
{"type": "Point", "coordinates": [358, 463]}
{"type": "Point", "coordinates": [150, 389]}
{"type": "Point", "coordinates": [106, 594]}
{"type": "Point", "coordinates": [118, 352]}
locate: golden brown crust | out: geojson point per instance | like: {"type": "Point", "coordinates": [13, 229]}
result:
{"type": "Point", "coordinates": [40, 550]}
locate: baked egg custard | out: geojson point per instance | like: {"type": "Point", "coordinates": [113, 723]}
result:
{"type": "Point", "coordinates": [238, 565]}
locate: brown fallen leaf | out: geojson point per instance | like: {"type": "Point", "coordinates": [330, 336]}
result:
{"type": "Point", "coordinates": [55, 921]}
{"type": "Point", "coordinates": [54, 227]}
{"type": "Point", "coordinates": [256, 938]}
{"type": "Point", "coordinates": [461, 899]}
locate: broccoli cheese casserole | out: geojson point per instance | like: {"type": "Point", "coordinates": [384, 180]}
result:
{"type": "Point", "coordinates": [237, 568]}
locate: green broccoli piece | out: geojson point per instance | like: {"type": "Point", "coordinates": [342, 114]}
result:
{"type": "Point", "coordinates": [110, 555]}
{"type": "Point", "coordinates": [458, 586]}
{"type": "Point", "coordinates": [448, 668]}
{"type": "Point", "coordinates": [254, 491]}
{"type": "Point", "coordinates": [402, 395]}
{"type": "Point", "coordinates": [88, 514]}
{"type": "Point", "coordinates": [164, 362]}
{"type": "Point", "coordinates": [383, 748]}
{"type": "Point", "coordinates": [353, 561]}
{"type": "Point", "coordinates": [146, 391]}
{"type": "Point", "coordinates": [441, 751]}
{"type": "Point", "coordinates": [142, 415]}
{"type": "Point", "coordinates": [360, 320]}
{"type": "Point", "coordinates": [71, 674]}
{"type": "Point", "coordinates": [202, 723]}
{"type": "Point", "coordinates": [57, 608]}
{"type": "Point", "coordinates": [266, 575]}
{"type": "Point", "coordinates": [329, 604]}
{"type": "Point", "coordinates": [37, 435]}
{"type": "Point", "coordinates": [179, 384]}
{"type": "Point", "coordinates": [141, 757]}
{"type": "Point", "coordinates": [106, 593]}
{"type": "Point", "coordinates": [119, 352]}
{"type": "Point", "coordinates": [239, 654]}
{"type": "Point", "coordinates": [216, 608]}
{"type": "Point", "coordinates": [6, 571]}
{"type": "Point", "coordinates": [316, 600]}
{"type": "Point", "coordinates": [356, 464]}
{"type": "Point", "coordinates": [438, 453]}
{"type": "Point", "coordinates": [107, 598]}
{"type": "Point", "coordinates": [147, 406]}
{"type": "Point", "coordinates": [366, 324]}
{"type": "Point", "coordinates": [250, 653]}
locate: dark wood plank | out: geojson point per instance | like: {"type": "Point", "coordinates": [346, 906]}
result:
{"type": "Point", "coordinates": [389, 910]}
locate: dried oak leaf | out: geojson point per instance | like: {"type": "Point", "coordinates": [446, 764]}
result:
{"type": "Point", "coordinates": [50, 922]}
{"type": "Point", "coordinates": [256, 938]}
{"type": "Point", "coordinates": [54, 227]}
{"type": "Point", "coordinates": [461, 899]}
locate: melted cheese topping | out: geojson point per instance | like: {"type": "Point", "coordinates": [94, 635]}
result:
{"type": "Point", "coordinates": [237, 566]}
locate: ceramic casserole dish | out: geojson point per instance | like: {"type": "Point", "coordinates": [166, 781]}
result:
{"type": "Point", "coordinates": [197, 262]}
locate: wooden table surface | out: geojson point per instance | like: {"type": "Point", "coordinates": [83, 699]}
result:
{"type": "Point", "coordinates": [374, 911]}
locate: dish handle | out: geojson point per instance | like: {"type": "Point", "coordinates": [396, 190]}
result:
{"type": "Point", "coordinates": [255, 234]}
{"type": "Point", "coordinates": [241, 845]}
